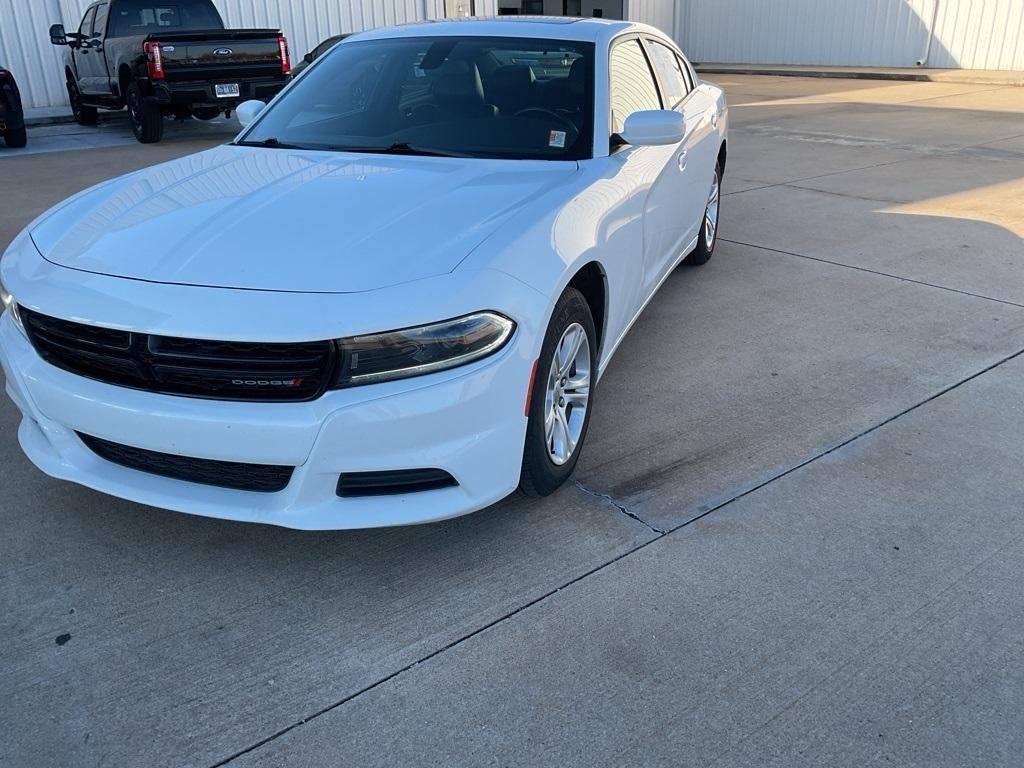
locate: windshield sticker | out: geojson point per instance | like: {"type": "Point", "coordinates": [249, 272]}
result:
{"type": "Point", "coordinates": [556, 139]}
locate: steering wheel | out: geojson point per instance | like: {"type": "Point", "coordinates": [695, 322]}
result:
{"type": "Point", "coordinates": [565, 121]}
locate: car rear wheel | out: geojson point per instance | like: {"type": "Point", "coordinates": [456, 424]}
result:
{"type": "Point", "coordinates": [16, 139]}
{"type": "Point", "coordinates": [561, 397]}
{"type": "Point", "coordinates": [145, 116]}
{"type": "Point", "coordinates": [709, 225]}
{"type": "Point", "coordinates": [83, 113]}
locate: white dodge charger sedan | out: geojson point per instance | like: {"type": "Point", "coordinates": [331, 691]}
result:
{"type": "Point", "coordinates": [390, 299]}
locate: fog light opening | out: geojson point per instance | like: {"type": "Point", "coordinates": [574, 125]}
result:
{"type": "Point", "coordinates": [391, 482]}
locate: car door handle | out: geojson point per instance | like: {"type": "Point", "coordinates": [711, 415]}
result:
{"type": "Point", "coordinates": [681, 159]}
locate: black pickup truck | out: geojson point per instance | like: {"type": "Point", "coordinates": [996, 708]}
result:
{"type": "Point", "coordinates": [164, 58]}
{"type": "Point", "coordinates": [12, 116]}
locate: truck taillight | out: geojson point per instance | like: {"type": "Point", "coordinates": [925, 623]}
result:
{"type": "Point", "coordinates": [154, 60]}
{"type": "Point", "coordinates": [282, 45]}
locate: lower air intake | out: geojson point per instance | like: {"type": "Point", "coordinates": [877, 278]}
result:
{"type": "Point", "coordinates": [264, 478]}
{"type": "Point", "coordinates": [393, 482]}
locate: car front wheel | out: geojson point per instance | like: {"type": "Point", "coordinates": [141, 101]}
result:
{"type": "Point", "coordinates": [561, 397]}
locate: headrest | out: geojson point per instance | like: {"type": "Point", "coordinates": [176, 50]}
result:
{"type": "Point", "coordinates": [513, 77]}
{"type": "Point", "coordinates": [458, 81]}
{"type": "Point", "coordinates": [578, 75]}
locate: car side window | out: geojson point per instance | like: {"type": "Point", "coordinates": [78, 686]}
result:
{"type": "Point", "coordinates": [99, 25]}
{"type": "Point", "coordinates": [670, 72]}
{"type": "Point", "coordinates": [632, 83]}
{"type": "Point", "coordinates": [87, 20]}
{"type": "Point", "coordinates": [688, 72]}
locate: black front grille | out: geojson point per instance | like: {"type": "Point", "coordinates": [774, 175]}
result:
{"type": "Point", "coordinates": [224, 370]}
{"type": "Point", "coordinates": [264, 478]}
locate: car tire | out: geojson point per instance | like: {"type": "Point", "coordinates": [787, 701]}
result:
{"type": "Point", "coordinates": [708, 237]}
{"type": "Point", "coordinates": [145, 116]}
{"type": "Point", "coordinates": [16, 139]}
{"type": "Point", "coordinates": [83, 113]}
{"type": "Point", "coordinates": [560, 400]}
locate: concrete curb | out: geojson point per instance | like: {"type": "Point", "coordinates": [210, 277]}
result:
{"type": "Point", "coordinates": [67, 119]}
{"type": "Point", "coordinates": [975, 77]}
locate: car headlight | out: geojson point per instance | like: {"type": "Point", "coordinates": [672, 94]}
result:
{"type": "Point", "coordinates": [418, 351]}
{"type": "Point", "coordinates": [10, 305]}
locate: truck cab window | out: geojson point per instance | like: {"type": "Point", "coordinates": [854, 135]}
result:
{"type": "Point", "coordinates": [137, 17]}
{"type": "Point", "coordinates": [87, 20]}
{"type": "Point", "coordinates": [99, 24]}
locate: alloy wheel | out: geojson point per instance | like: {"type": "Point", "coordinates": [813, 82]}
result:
{"type": "Point", "coordinates": [711, 214]}
{"type": "Point", "coordinates": [567, 394]}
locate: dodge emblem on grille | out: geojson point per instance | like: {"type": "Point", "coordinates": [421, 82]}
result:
{"type": "Point", "coordinates": [267, 382]}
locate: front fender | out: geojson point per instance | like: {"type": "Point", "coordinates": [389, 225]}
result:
{"type": "Point", "coordinates": [596, 217]}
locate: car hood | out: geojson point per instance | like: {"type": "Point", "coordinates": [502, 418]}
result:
{"type": "Point", "coordinates": [274, 219]}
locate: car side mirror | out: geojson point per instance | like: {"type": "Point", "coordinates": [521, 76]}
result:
{"type": "Point", "coordinates": [654, 127]}
{"type": "Point", "coordinates": [308, 58]}
{"type": "Point", "coordinates": [57, 35]}
{"type": "Point", "coordinates": [248, 111]}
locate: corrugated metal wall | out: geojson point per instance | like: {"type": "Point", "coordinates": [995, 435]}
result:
{"type": "Point", "coordinates": [25, 45]}
{"type": "Point", "coordinates": [983, 34]}
{"type": "Point", "coordinates": [973, 34]}
{"type": "Point", "coordinates": [25, 48]}
{"type": "Point", "coordinates": [657, 13]}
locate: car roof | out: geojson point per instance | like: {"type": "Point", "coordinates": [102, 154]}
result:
{"type": "Point", "coordinates": [552, 27]}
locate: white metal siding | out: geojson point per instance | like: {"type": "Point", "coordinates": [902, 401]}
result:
{"type": "Point", "coordinates": [25, 48]}
{"type": "Point", "coordinates": [25, 44]}
{"type": "Point", "coordinates": [983, 34]}
{"type": "Point", "coordinates": [973, 34]}
{"type": "Point", "coordinates": [657, 13]}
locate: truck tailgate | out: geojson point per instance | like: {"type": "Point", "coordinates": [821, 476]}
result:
{"type": "Point", "coordinates": [219, 54]}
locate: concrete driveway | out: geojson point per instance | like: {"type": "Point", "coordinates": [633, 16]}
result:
{"type": "Point", "coordinates": [796, 539]}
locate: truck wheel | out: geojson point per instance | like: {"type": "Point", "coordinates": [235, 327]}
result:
{"type": "Point", "coordinates": [84, 114]}
{"type": "Point", "coordinates": [146, 119]}
{"type": "Point", "coordinates": [16, 139]}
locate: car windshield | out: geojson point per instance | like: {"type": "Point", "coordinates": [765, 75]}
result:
{"type": "Point", "coordinates": [495, 97]}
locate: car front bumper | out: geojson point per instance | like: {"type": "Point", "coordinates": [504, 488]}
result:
{"type": "Point", "coordinates": [469, 423]}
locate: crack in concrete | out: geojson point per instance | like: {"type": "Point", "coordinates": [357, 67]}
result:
{"type": "Point", "coordinates": [622, 508]}
{"type": "Point", "coordinates": [598, 568]}
{"type": "Point", "coordinates": [873, 272]}
{"type": "Point", "coordinates": [812, 178]}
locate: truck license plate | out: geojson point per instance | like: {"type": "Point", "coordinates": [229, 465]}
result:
{"type": "Point", "coordinates": [226, 90]}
